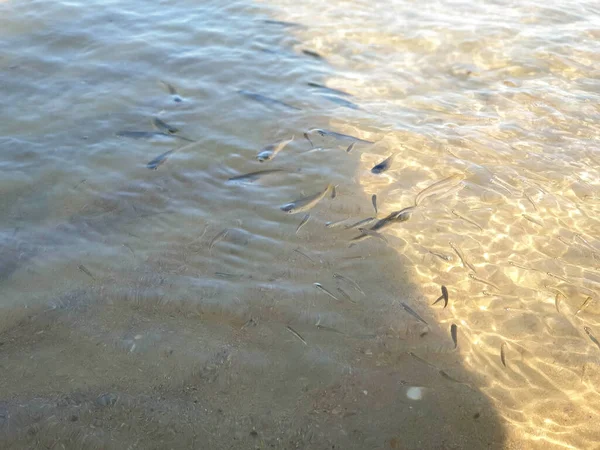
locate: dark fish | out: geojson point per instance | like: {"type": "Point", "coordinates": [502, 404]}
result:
{"type": "Point", "coordinates": [295, 333]}
{"type": "Point", "coordinates": [454, 334]}
{"type": "Point", "coordinates": [340, 136]}
{"type": "Point", "coordinates": [341, 101]}
{"type": "Point", "coordinates": [304, 220]}
{"type": "Point", "coordinates": [374, 201]}
{"type": "Point", "coordinates": [139, 134]}
{"type": "Point", "coordinates": [297, 250]}
{"type": "Point", "coordinates": [383, 165]}
{"type": "Point", "coordinates": [159, 160]}
{"type": "Point", "coordinates": [86, 271]}
{"type": "Point", "coordinates": [350, 147]}
{"type": "Point", "coordinates": [345, 295]}
{"type": "Point", "coordinates": [592, 337]}
{"type": "Point", "coordinates": [503, 354]}
{"type": "Point", "coordinates": [163, 126]}
{"type": "Point", "coordinates": [444, 297]}
{"type": "Point", "coordinates": [306, 203]}
{"type": "Point", "coordinates": [308, 139]}
{"type": "Point", "coordinates": [320, 287]}
{"type": "Point", "coordinates": [418, 358]}
{"type": "Point", "coordinates": [266, 100]}
{"type": "Point", "coordinates": [328, 89]}
{"type": "Point", "coordinates": [253, 176]}
{"type": "Point", "coordinates": [312, 53]}
{"type": "Point", "coordinates": [176, 97]}
{"type": "Point", "coordinates": [281, 23]}
{"type": "Point", "coordinates": [372, 233]}
{"type": "Point", "coordinates": [333, 192]}
{"type": "Point", "coordinates": [360, 222]}
{"type": "Point", "coordinates": [413, 313]}
{"type": "Point", "coordinates": [396, 217]}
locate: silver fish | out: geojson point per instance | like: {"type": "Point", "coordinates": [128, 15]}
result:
{"type": "Point", "coordinates": [266, 100]}
{"type": "Point", "coordinates": [340, 136]}
{"type": "Point", "coordinates": [159, 160]}
{"type": "Point", "coordinates": [454, 334]}
{"type": "Point", "coordinates": [489, 283]}
{"type": "Point", "coordinates": [533, 220]}
{"type": "Point", "coordinates": [140, 134]}
{"type": "Point", "coordinates": [163, 126]}
{"type": "Point", "coordinates": [584, 305]}
{"type": "Point", "coordinates": [341, 101]}
{"type": "Point", "coordinates": [374, 201]}
{"type": "Point", "coordinates": [321, 288]}
{"type": "Point", "coordinates": [345, 295]}
{"type": "Point", "coordinates": [222, 235]}
{"type": "Point", "coordinates": [304, 220]}
{"type": "Point", "coordinates": [270, 151]}
{"type": "Point", "coordinates": [348, 280]}
{"type": "Point", "coordinates": [306, 203]}
{"type": "Point", "coordinates": [334, 224]}
{"type": "Point", "coordinates": [297, 250]}
{"type": "Point", "coordinates": [466, 219]}
{"type": "Point", "coordinates": [592, 337]}
{"type": "Point", "coordinates": [461, 256]}
{"type": "Point", "coordinates": [253, 176]}
{"type": "Point", "coordinates": [438, 187]}
{"type": "Point", "coordinates": [413, 313]}
{"type": "Point", "coordinates": [383, 165]}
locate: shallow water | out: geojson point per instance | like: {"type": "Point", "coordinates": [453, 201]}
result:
{"type": "Point", "coordinates": [132, 319]}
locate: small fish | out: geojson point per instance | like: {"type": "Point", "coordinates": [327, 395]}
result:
{"type": "Point", "coordinates": [270, 151]}
{"type": "Point", "coordinates": [139, 134]}
{"type": "Point", "coordinates": [372, 233]}
{"type": "Point", "coordinates": [297, 250]}
{"type": "Point", "coordinates": [306, 203]}
{"type": "Point", "coordinates": [465, 263]}
{"type": "Point", "coordinates": [360, 222]}
{"type": "Point", "coordinates": [331, 90]}
{"type": "Point", "coordinates": [227, 275]}
{"type": "Point", "coordinates": [340, 136]}
{"type": "Point", "coordinates": [582, 239]}
{"type": "Point", "coordinates": [253, 176]}
{"type": "Point", "coordinates": [222, 235]}
{"type": "Point", "coordinates": [312, 53]}
{"type": "Point", "coordinates": [503, 354]}
{"type": "Point", "coordinates": [350, 147]}
{"type": "Point", "coordinates": [176, 97]}
{"type": "Point", "coordinates": [163, 126]}
{"type": "Point", "coordinates": [473, 277]}
{"type": "Point", "coordinates": [442, 256]}
{"type": "Point", "coordinates": [592, 337]}
{"type": "Point", "coordinates": [514, 264]}
{"type": "Point", "coordinates": [584, 305]}
{"type": "Point", "coordinates": [348, 280]}
{"type": "Point", "coordinates": [281, 23]}
{"type": "Point", "coordinates": [308, 139]}
{"type": "Point", "coordinates": [333, 192]}
{"type": "Point", "coordinates": [413, 313]}
{"type": "Point", "coordinates": [454, 334]}
{"type": "Point", "coordinates": [550, 274]}
{"type": "Point", "coordinates": [472, 222]}
{"type": "Point", "coordinates": [334, 224]}
{"type": "Point", "coordinates": [295, 333]}
{"type": "Point", "coordinates": [78, 184]}
{"type": "Point", "coordinates": [556, 302]}
{"type": "Point", "coordinates": [266, 100]}
{"type": "Point", "coordinates": [533, 220]}
{"type": "Point", "coordinates": [159, 160]}
{"type": "Point", "coordinates": [86, 271]}
{"type": "Point", "coordinates": [304, 220]}
{"type": "Point", "coordinates": [320, 287]}
{"type": "Point", "coordinates": [438, 187]}
{"type": "Point", "coordinates": [341, 101]}
{"type": "Point", "coordinates": [383, 165]}
{"type": "Point", "coordinates": [422, 360]}
{"type": "Point", "coordinates": [326, 328]}
{"type": "Point", "coordinates": [374, 202]}
{"type": "Point", "coordinates": [345, 295]}
{"type": "Point", "coordinates": [530, 201]}
{"type": "Point", "coordinates": [444, 297]}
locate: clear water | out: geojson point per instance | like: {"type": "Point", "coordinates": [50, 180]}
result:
{"type": "Point", "coordinates": [130, 319]}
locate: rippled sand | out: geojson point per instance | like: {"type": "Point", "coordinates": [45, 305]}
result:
{"type": "Point", "coordinates": [176, 309]}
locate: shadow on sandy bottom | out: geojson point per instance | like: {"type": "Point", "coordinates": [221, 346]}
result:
{"type": "Point", "coordinates": [117, 368]}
